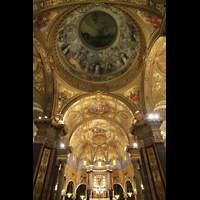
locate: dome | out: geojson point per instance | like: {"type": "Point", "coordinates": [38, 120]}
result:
{"type": "Point", "coordinates": [95, 45]}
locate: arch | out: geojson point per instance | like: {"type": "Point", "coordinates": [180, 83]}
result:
{"type": "Point", "coordinates": [119, 108]}
{"type": "Point", "coordinates": [151, 69]}
{"type": "Point", "coordinates": [38, 105]}
{"type": "Point", "coordinates": [72, 185]}
{"type": "Point", "coordinates": [67, 183]}
{"type": "Point", "coordinates": [41, 47]}
{"type": "Point", "coordinates": [156, 102]}
{"type": "Point", "coordinates": [79, 191]}
{"type": "Point", "coordinates": [67, 105]}
{"type": "Point", "coordinates": [117, 187]}
{"type": "Point", "coordinates": [130, 182]}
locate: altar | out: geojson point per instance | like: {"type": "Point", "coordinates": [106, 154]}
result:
{"type": "Point", "coordinates": [100, 183]}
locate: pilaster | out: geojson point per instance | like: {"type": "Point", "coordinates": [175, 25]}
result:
{"type": "Point", "coordinates": [134, 161]}
{"type": "Point", "coordinates": [44, 156]}
{"type": "Point", "coordinates": [153, 157]}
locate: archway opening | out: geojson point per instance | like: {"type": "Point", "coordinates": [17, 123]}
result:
{"type": "Point", "coordinates": [69, 191]}
{"type": "Point", "coordinates": [118, 192]}
{"type": "Point", "coordinates": [80, 192]}
{"type": "Point", "coordinates": [129, 190]}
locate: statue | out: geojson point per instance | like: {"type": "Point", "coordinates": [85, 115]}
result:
{"type": "Point", "coordinates": [58, 119]}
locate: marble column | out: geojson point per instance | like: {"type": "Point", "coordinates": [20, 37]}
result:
{"type": "Point", "coordinates": [61, 179]}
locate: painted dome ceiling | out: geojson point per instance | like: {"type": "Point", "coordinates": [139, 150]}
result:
{"type": "Point", "coordinates": [96, 44]}
{"type": "Point", "coordinates": [98, 30]}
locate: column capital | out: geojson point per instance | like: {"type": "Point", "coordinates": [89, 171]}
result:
{"type": "Point", "coordinates": [63, 153]}
{"type": "Point", "coordinates": [147, 132]}
{"type": "Point", "coordinates": [48, 133]}
{"type": "Point", "coordinates": [144, 126]}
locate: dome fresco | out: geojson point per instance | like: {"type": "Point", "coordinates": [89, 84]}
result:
{"type": "Point", "coordinates": [96, 45]}
{"type": "Point", "coordinates": [98, 30]}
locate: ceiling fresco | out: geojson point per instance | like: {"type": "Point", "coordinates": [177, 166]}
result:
{"type": "Point", "coordinates": [98, 30]}
{"type": "Point", "coordinates": [98, 106]}
{"type": "Point", "coordinates": [151, 21]}
{"type": "Point", "coordinates": [99, 139]}
{"type": "Point", "coordinates": [107, 68]}
{"type": "Point", "coordinates": [107, 24]}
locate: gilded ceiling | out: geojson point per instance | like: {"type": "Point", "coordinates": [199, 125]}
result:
{"type": "Point", "coordinates": [92, 140]}
{"type": "Point", "coordinates": [98, 78]}
{"type": "Point", "coordinates": [98, 106]}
